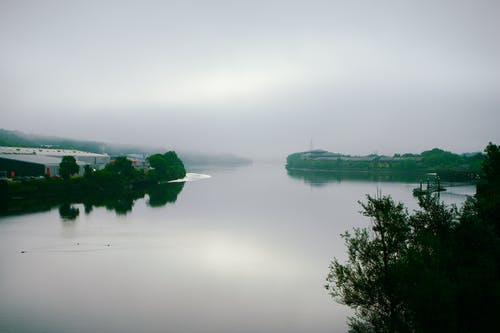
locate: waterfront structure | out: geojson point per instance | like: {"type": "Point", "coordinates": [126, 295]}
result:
{"type": "Point", "coordinates": [139, 161]}
{"type": "Point", "coordinates": [23, 161]}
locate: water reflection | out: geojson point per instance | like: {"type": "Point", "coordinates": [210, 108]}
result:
{"type": "Point", "coordinates": [121, 203]}
{"type": "Point", "coordinates": [323, 178]}
{"type": "Point", "coordinates": [68, 212]}
{"type": "Point", "coordinates": [164, 194]}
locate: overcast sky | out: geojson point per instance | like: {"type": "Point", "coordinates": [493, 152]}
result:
{"type": "Point", "coordinates": [257, 78]}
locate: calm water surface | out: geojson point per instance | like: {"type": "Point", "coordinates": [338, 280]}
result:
{"type": "Point", "coordinates": [244, 251]}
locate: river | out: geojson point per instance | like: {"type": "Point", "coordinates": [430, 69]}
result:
{"type": "Point", "coordinates": [246, 250]}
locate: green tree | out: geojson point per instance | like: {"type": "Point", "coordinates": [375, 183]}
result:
{"type": "Point", "coordinates": [438, 159]}
{"type": "Point", "coordinates": [428, 287]}
{"type": "Point", "coordinates": [399, 273]}
{"type": "Point", "coordinates": [488, 188]}
{"type": "Point", "coordinates": [122, 166]}
{"type": "Point", "coordinates": [436, 270]}
{"type": "Point", "coordinates": [88, 171]}
{"type": "Point", "coordinates": [175, 167]}
{"type": "Point", "coordinates": [159, 164]}
{"type": "Point", "coordinates": [368, 282]}
{"type": "Point", "coordinates": [68, 167]}
{"type": "Point", "coordinates": [166, 166]}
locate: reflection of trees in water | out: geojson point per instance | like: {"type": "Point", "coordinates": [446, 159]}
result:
{"type": "Point", "coordinates": [88, 208]}
{"type": "Point", "coordinates": [68, 212]}
{"type": "Point", "coordinates": [163, 194]}
{"type": "Point", "coordinates": [120, 201]}
{"type": "Point", "coordinates": [322, 178]}
{"type": "Point", "coordinates": [123, 202]}
{"type": "Point", "coordinates": [122, 205]}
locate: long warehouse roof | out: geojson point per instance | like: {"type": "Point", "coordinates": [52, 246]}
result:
{"type": "Point", "coordinates": [47, 152]}
{"type": "Point", "coordinates": [38, 159]}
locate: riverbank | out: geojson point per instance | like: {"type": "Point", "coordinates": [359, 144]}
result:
{"type": "Point", "coordinates": [114, 193]}
{"type": "Point", "coordinates": [446, 165]}
{"type": "Point", "coordinates": [117, 186]}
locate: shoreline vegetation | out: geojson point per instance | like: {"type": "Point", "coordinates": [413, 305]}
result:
{"type": "Point", "coordinates": [434, 269]}
{"type": "Point", "coordinates": [116, 187]}
{"type": "Point", "coordinates": [445, 164]}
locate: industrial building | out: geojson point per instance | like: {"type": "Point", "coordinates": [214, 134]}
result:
{"type": "Point", "coordinates": [22, 161]}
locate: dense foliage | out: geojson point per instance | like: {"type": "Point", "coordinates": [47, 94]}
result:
{"type": "Point", "coordinates": [488, 194]}
{"type": "Point", "coordinates": [166, 167]}
{"type": "Point", "coordinates": [435, 160]}
{"type": "Point", "coordinates": [123, 167]}
{"type": "Point", "coordinates": [68, 167]}
{"type": "Point", "coordinates": [436, 270]}
{"type": "Point", "coordinates": [117, 186]}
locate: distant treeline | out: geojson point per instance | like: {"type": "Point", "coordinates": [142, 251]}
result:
{"type": "Point", "coordinates": [436, 160]}
{"type": "Point", "coordinates": [117, 186]}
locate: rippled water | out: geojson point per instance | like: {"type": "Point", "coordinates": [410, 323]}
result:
{"type": "Point", "coordinates": [246, 250]}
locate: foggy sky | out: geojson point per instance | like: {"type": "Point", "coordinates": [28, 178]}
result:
{"type": "Point", "coordinates": [257, 78]}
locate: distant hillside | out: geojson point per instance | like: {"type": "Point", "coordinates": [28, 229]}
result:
{"type": "Point", "coordinates": [190, 159]}
{"type": "Point", "coordinates": [20, 139]}
{"type": "Point", "coordinates": [435, 160]}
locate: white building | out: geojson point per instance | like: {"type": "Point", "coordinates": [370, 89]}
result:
{"type": "Point", "coordinates": [31, 160]}
{"type": "Point", "coordinates": [97, 161]}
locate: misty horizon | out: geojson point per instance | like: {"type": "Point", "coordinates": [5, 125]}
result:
{"type": "Point", "coordinates": [168, 180]}
{"type": "Point", "coordinates": [148, 149]}
{"type": "Point", "coordinates": [260, 79]}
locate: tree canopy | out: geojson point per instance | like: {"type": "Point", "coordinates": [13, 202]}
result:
{"type": "Point", "coordinates": [488, 193]}
{"type": "Point", "coordinates": [435, 270]}
{"type": "Point", "coordinates": [166, 166]}
{"type": "Point", "coordinates": [122, 166]}
{"type": "Point", "coordinates": [68, 167]}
